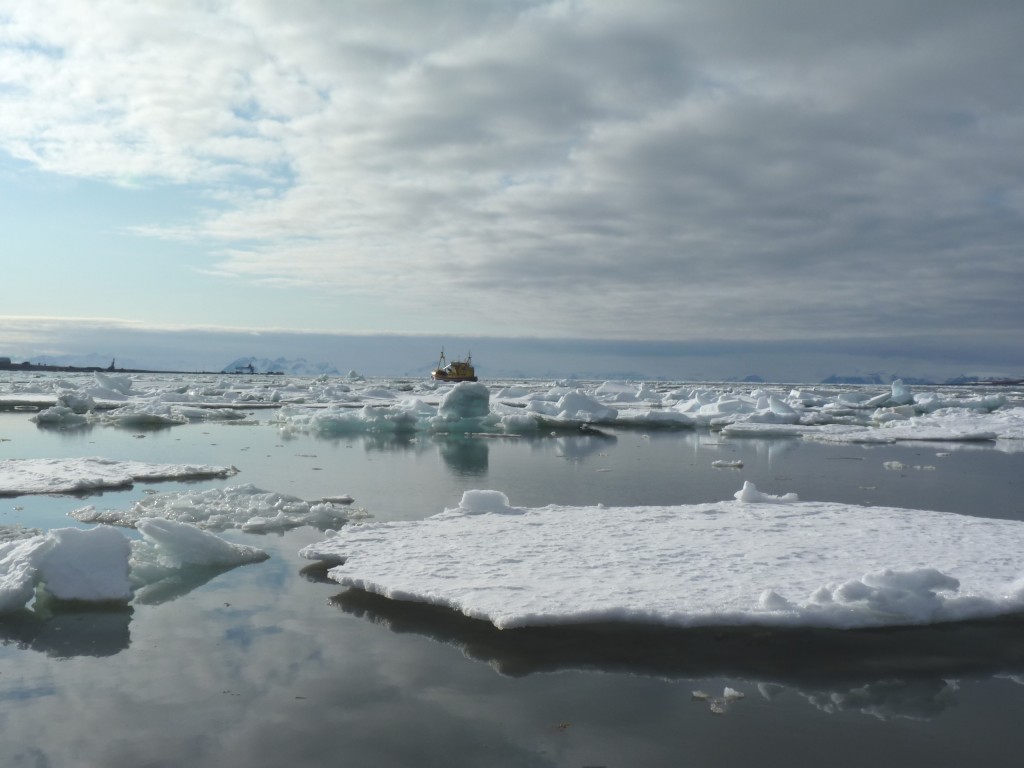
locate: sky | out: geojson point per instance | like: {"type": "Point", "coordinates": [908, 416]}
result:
{"type": "Point", "coordinates": [703, 187]}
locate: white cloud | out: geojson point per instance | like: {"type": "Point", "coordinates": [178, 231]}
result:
{"type": "Point", "coordinates": [656, 170]}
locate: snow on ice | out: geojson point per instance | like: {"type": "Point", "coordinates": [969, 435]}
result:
{"type": "Point", "coordinates": [39, 476]}
{"type": "Point", "coordinates": [760, 559]}
{"type": "Point", "coordinates": [244, 506]}
{"type": "Point", "coordinates": [102, 565]}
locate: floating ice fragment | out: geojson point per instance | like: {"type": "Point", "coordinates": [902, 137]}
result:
{"type": "Point", "coordinates": [185, 544]}
{"type": "Point", "coordinates": [723, 464]}
{"type": "Point", "coordinates": [35, 476]}
{"type": "Point", "coordinates": [122, 384]}
{"type": "Point", "coordinates": [343, 499]}
{"type": "Point", "coordinates": [242, 506]}
{"type": "Point", "coordinates": [136, 415]}
{"type": "Point", "coordinates": [101, 564]}
{"type": "Point", "coordinates": [69, 564]}
{"type": "Point", "coordinates": [750, 495]}
{"type": "Point", "coordinates": [60, 415]}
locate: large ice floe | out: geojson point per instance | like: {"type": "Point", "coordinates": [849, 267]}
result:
{"type": "Point", "coordinates": [44, 476]}
{"type": "Point", "coordinates": [103, 565]}
{"type": "Point", "coordinates": [759, 559]}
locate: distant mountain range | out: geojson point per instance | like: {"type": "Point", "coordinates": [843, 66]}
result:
{"type": "Point", "coordinates": [299, 367]}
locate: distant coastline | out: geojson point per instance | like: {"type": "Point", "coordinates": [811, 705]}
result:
{"type": "Point", "coordinates": [27, 367]}
{"type": "Point", "coordinates": [237, 369]}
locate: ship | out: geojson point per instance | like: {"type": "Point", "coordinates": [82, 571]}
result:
{"type": "Point", "coordinates": [456, 370]}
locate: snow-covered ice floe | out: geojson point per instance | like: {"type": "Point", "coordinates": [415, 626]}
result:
{"type": "Point", "coordinates": [41, 476]}
{"type": "Point", "coordinates": [243, 506]}
{"type": "Point", "coordinates": [757, 560]}
{"type": "Point", "coordinates": [102, 565]}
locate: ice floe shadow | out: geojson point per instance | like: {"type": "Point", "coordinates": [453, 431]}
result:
{"type": "Point", "coordinates": [69, 629]}
{"type": "Point", "coordinates": [864, 669]}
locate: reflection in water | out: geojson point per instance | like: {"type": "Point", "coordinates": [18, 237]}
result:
{"type": "Point", "coordinates": [466, 456]}
{"type": "Point", "coordinates": [73, 628]}
{"type": "Point", "coordinates": [66, 630]}
{"type": "Point", "coordinates": [177, 584]}
{"type": "Point", "coordinates": [769, 451]}
{"type": "Point", "coordinates": [79, 428]}
{"type": "Point", "coordinates": [900, 671]}
{"type": "Point", "coordinates": [316, 572]}
{"type": "Point", "coordinates": [401, 441]}
{"type": "Point", "coordinates": [915, 699]}
{"type": "Point", "coordinates": [579, 447]}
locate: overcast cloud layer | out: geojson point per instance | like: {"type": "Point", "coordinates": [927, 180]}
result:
{"type": "Point", "coordinates": [632, 170]}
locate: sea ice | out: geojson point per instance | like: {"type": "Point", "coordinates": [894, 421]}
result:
{"type": "Point", "coordinates": [761, 559]}
{"type": "Point", "coordinates": [41, 476]}
{"type": "Point", "coordinates": [179, 544]}
{"type": "Point", "coordinates": [327, 406]}
{"type": "Point", "coordinates": [750, 495]}
{"type": "Point", "coordinates": [242, 506]}
{"type": "Point", "coordinates": [102, 564]}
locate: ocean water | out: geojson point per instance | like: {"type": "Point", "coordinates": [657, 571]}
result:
{"type": "Point", "coordinates": [273, 664]}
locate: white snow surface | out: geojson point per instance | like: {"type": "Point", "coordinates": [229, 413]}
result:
{"type": "Point", "coordinates": [243, 506]}
{"type": "Point", "coordinates": [102, 565]}
{"type": "Point", "coordinates": [42, 476]}
{"type": "Point", "coordinates": [760, 559]}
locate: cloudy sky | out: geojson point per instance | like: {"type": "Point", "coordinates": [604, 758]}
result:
{"type": "Point", "coordinates": [786, 175]}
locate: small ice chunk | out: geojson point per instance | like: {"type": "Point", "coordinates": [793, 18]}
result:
{"type": "Point", "coordinates": [186, 544]}
{"type": "Point", "coordinates": [483, 502]}
{"type": "Point", "coordinates": [466, 400]}
{"type": "Point", "coordinates": [750, 495]}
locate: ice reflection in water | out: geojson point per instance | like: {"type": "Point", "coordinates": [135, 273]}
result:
{"type": "Point", "coordinates": [903, 672]}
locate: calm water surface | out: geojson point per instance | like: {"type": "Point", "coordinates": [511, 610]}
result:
{"type": "Point", "coordinates": [271, 664]}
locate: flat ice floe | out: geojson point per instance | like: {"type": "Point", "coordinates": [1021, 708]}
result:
{"type": "Point", "coordinates": [243, 506]}
{"type": "Point", "coordinates": [758, 559]}
{"type": "Point", "coordinates": [41, 476]}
